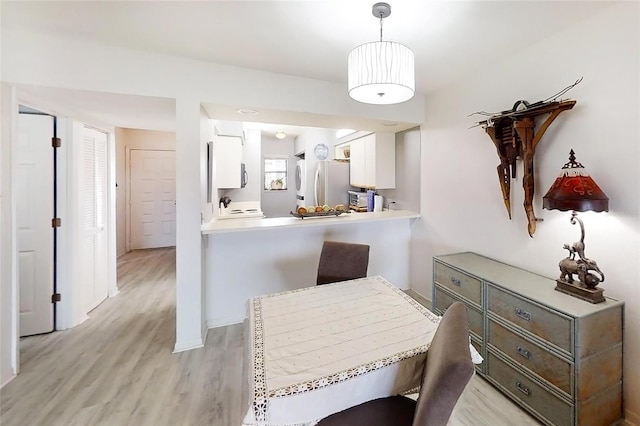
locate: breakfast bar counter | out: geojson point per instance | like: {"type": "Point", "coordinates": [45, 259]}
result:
{"type": "Point", "coordinates": [257, 224]}
{"type": "Point", "coordinates": [250, 257]}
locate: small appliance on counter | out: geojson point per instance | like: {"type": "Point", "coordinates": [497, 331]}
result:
{"type": "Point", "coordinates": [239, 209]}
{"type": "Point", "coordinates": [367, 201]}
{"type": "Point", "coordinates": [358, 201]}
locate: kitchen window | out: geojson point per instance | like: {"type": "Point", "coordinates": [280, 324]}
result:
{"type": "Point", "coordinates": [275, 173]}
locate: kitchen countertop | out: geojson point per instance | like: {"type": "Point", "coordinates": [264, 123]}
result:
{"type": "Point", "coordinates": [216, 226]}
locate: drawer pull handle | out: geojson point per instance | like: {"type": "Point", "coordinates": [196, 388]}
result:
{"type": "Point", "coordinates": [523, 314]}
{"type": "Point", "coordinates": [522, 351]}
{"type": "Point", "coordinates": [455, 281]}
{"type": "Point", "coordinates": [522, 388]}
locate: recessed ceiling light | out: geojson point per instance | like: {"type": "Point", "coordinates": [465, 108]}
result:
{"type": "Point", "coordinates": [245, 111]}
{"type": "Point", "coordinates": [281, 135]}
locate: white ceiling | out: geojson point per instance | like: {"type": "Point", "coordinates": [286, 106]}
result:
{"type": "Point", "coordinates": [302, 38]}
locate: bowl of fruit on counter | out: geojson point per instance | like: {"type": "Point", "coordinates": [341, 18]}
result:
{"type": "Point", "coordinates": [320, 211]}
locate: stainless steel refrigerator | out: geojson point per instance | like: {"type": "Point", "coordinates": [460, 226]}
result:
{"type": "Point", "coordinates": [331, 183]}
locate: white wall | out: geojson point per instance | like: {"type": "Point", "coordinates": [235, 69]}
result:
{"type": "Point", "coordinates": [461, 198]}
{"type": "Point", "coordinates": [127, 139]}
{"type": "Point", "coordinates": [279, 203]}
{"type": "Point", "coordinates": [252, 263]}
{"type": "Point", "coordinates": [207, 133]}
{"type": "Point", "coordinates": [8, 327]}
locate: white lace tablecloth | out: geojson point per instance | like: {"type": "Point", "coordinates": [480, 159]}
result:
{"type": "Point", "coordinates": [320, 350]}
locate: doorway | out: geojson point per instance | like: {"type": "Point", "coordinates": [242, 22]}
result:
{"type": "Point", "coordinates": [152, 198]}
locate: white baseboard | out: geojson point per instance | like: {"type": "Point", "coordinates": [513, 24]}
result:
{"type": "Point", "coordinates": [224, 321]}
{"type": "Point", "coordinates": [6, 379]}
{"type": "Point", "coordinates": [188, 345]}
{"type": "Point", "coordinates": [631, 419]}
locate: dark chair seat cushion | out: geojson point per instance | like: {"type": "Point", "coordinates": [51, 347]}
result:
{"type": "Point", "coordinates": [390, 411]}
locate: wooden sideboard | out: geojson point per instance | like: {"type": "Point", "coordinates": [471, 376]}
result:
{"type": "Point", "coordinates": [558, 357]}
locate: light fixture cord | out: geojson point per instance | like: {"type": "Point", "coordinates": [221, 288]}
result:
{"type": "Point", "coordinates": [380, 26]}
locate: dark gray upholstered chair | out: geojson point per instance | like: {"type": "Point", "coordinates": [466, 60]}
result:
{"type": "Point", "coordinates": [447, 371]}
{"type": "Point", "coordinates": [342, 261]}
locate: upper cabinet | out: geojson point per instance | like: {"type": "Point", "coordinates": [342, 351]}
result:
{"type": "Point", "coordinates": [373, 161]}
{"type": "Point", "coordinates": [230, 128]}
{"type": "Point", "coordinates": [228, 154]}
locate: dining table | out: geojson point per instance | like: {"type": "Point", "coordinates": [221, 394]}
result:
{"type": "Point", "coordinates": [319, 350]}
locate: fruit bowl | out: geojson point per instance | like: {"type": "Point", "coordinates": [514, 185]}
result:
{"type": "Point", "coordinates": [318, 214]}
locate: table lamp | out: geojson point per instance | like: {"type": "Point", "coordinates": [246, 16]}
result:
{"type": "Point", "coordinates": [575, 190]}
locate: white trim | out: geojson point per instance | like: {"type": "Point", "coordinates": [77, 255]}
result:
{"type": "Point", "coordinates": [112, 266]}
{"type": "Point", "coordinates": [127, 199]}
{"type": "Point", "coordinates": [224, 321]}
{"type": "Point", "coordinates": [5, 380]}
{"type": "Point", "coordinates": [15, 288]}
{"type": "Point", "coordinates": [187, 346]}
{"type": "Point", "coordinates": [191, 344]}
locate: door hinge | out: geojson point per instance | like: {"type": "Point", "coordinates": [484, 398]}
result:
{"type": "Point", "coordinates": [56, 142]}
{"type": "Point", "coordinates": [56, 222]}
{"type": "Point", "coordinates": [55, 297]}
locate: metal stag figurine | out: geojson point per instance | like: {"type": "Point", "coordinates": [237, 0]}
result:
{"type": "Point", "coordinates": [512, 132]}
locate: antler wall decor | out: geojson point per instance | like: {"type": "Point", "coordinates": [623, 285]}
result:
{"type": "Point", "coordinates": [512, 133]}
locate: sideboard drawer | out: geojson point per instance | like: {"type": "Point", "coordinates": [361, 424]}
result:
{"type": "Point", "coordinates": [443, 300]}
{"type": "Point", "coordinates": [551, 368]}
{"type": "Point", "coordinates": [528, 392]}
{"type": "Point", "coordinates": [548, 325]}
{"type": "Point", "coordinates": [459, 282]}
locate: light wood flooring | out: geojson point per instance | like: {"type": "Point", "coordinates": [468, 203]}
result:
{"type": "Point", "coordinates": [117, 368]}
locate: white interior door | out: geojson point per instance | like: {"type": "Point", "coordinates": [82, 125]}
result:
{"type": "Point", "coordinates": [34, 211]}
{"type": "Point", "coordinates": [153, 198]}
{"type": "Point", "coordinates": [94, 208]}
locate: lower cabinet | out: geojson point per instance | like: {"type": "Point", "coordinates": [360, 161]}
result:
{"type": "Point", "coordinates": [558, 357]}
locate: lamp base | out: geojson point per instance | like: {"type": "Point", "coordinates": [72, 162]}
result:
{"type": "Point", "coordinates": [592, 295]}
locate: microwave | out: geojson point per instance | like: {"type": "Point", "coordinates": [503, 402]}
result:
{"type": "Point", "coordinates": [358, 199]}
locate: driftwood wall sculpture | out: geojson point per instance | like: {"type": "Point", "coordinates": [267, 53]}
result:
{"type": "Point", "coordinates": [514, 134]}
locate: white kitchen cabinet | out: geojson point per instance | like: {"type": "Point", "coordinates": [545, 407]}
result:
{"type": "Point", "coordinates": [230, 128]}
{"type": "Point", "coordinates": [228, 156]}
{"type": "Point", "coordinates": [373, 161]}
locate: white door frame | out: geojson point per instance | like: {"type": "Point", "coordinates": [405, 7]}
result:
{"type": "Point", "coordinates": [69, 314]}
{"type": "Point", "coordinates": [127, 172]}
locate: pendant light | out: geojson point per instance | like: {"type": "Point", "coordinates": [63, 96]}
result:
{"type": "Point", "coordinates": [381, 72]}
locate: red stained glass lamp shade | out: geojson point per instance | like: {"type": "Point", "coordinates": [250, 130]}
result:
{"type": "Point", "coordinates": [575, 190]}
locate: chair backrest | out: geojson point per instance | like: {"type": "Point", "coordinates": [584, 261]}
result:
{"type": "Point", "coordinates": [342, 261]}
{"type": "Point", "coordinates": [447, 370]}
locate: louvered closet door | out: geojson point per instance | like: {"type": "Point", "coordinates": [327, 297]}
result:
{"type": "Point", "coordinates": [94, 208]}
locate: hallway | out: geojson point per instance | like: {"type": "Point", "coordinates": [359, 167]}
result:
{"type": "Point", "coordinates": [117, 367]}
